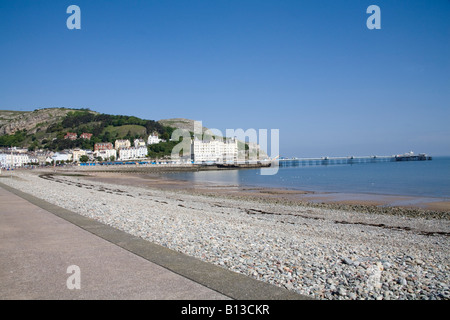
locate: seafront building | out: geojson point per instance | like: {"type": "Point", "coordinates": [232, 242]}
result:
{"type": "Point", "coordinates": [42, 156]}
{"type": "Point", "coordinates": [62, 156]}
{"type": "Point", "coordinates": [214, 150]}
{"type": "Point", "coordinates": [107, 154]}
{"type": "Point", "coordinates": [16, 159]}
{"type": "Point", "coordinates": [77, 153]}
{"type": "Point", "coordinates": [123, 143]}
{"type": "Point", "coordinates": [132, 153]}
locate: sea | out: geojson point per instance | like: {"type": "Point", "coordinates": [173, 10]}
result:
{"type": "Point", "coordinates": [430, 178]}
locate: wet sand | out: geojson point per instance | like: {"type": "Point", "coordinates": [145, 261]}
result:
{"type": "Point", "coordinates": [369, 202]}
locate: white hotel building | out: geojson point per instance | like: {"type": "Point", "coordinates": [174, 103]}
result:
{"type": "Point", "coordinates": [132, 153]}
{"type": "Point", "coordinates": [15, 160]}
{"type": "Point", "coordinates": [214, 150]}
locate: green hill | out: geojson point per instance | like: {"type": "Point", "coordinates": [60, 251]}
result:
{"type": "Point", "coordinates": [46, 128]}
{"type": "Point", "coordinates": [124, 130]}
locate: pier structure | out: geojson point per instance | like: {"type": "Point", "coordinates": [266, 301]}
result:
{"type": "Point", "coordinates": [295, 162]}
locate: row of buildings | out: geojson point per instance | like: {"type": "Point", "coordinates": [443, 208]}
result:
{"type": "Point", "coordinates": [201, 151]}
{"type": "Point", "coordinates": [14, 159]}
{"type": "Point", "coordinates": [152, 139]}
{"type": "Point", "coordinates": [121, 150]}
{"type": "Point", "coordinates": [19, 157]}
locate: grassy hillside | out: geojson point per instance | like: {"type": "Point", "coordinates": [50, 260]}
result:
{"type": "Point", "coordinates": [128, 129]}
{"type": "Point", "coordinates": [46, 128]}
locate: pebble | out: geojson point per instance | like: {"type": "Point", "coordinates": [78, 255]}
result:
{"type": "Point", "coordinates": [342, 291]}
{"type": "Point", "coordinates": [348, 261]}
{"type": "Point", "coordinates": [402, 281]}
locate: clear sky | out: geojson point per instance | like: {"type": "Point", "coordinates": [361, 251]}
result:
{"type": "Point", "coordinates": [311, 69]}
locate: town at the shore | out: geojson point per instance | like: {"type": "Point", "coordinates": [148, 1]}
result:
{"type": "Point", "coordinates": [209, 151]}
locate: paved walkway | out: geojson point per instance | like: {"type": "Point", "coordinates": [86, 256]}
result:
{"type": "Point", "coordinates": [37, 247]}
{"type": "Point", "coordinates": [39, 241]}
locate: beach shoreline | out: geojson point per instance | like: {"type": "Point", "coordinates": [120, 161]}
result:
{"type": "Point", "coordinates": [322, 251]}
{"type": "Point", "coordinates": [158, 177]}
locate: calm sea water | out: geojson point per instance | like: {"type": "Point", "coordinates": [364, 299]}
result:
{"type": "Point", "coordinates": [410, 178]}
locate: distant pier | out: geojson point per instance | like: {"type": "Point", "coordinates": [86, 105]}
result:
{"type": "Point", "coordinates": [294, 162]}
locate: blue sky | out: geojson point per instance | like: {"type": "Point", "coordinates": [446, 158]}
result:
{"type": "Point", "coordinates": [311, 69]}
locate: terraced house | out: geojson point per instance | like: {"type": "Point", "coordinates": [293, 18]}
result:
{"type": "Point", "coordinates": [124, 143]}
{"type": "Point", "coordinates": [16, 160]}
{"type": "Point", "coordinates": [132, 153]}
{"type": "Point", "coordinates": [103, 146]}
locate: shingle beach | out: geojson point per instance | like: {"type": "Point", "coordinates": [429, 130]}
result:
{"type": "Point", "coordinates": [321, 252]}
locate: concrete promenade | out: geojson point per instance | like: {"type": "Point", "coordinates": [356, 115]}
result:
{"type": "Point", "coordinates": [39, 241]}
